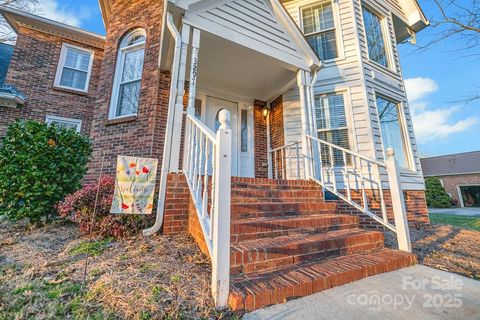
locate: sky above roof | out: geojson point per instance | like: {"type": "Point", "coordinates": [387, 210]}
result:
{"type": "Point", "coordinates": [436, 79]}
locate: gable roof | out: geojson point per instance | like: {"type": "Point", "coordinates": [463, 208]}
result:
{"type": "Point", "coordinates": [261, 25]}
{"type": "Point", "coordinates": [451, 164]}
{"type": "Point", "coordinates": [17, 18]}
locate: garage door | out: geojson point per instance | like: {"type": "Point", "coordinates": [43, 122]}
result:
{"type": "Point", "coordinates": [470, 196]}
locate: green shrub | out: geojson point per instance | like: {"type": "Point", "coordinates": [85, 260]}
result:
{"type": "Point", "coordinates": [39, 166]}
{"type": "Point", "coordinates": [436, 195]}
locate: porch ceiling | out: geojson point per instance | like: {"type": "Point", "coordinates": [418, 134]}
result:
{"type": "Point", "coordinates": [226, 66]}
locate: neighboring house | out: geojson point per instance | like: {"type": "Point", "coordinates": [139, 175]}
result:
{"type": "Point", "coordinates": [459, 174]}
{"type": "Point", "coordinates": [307, 93]}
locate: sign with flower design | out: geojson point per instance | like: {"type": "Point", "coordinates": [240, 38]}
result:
{"type": "Point", "coordinates": [134, 185]}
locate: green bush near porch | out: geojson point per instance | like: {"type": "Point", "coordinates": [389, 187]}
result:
{"type": "Point", "coordinates": [436, 195]}
{"type": "Point", "coordinates": [39, 165]}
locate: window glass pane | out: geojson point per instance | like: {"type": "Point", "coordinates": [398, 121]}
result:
{"type": "Point", "coordinates": [324, 44]}
{"type": "Point", "coordinates": [339, 138]}
{"type": "Point", "coordinates": [198, 108]}
{"type": "Point", "coordinates": [76, 59]}
{"type": "Point", "coordinates": [128, 99]}
{"type": "Point", "coordinates": [330, 112]}
{"type": "Point", "coordinates": [73, 79]}
{"type": "Point", "coordinates": [244, 131]}
{"type": "Point", "coordinates": [136, 40]}
{"type": "Point", "coordinates": [133, 65]}
{"type": "Point", "coordinates": [318, 18]}
{"type": "Point", "coordinates": [392, 131]}
{"type": "Point", "coordinates": [65, 124]}
{"type": "Point", "coordinates": [332, 126]}
{"type": "Point", "coordinates": [375, 37]}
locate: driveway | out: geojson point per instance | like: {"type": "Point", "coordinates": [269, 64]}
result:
{"type": "Point", "coordinates": [473, 212]}
{"type": "Point", "coordinates": [416, 292]}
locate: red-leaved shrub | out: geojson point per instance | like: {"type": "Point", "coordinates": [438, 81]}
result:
{"type": "Point", "coordinates": [79, 207]}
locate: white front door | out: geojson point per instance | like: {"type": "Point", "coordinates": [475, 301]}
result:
{"type": "Point", "coordinates": [240, 124]}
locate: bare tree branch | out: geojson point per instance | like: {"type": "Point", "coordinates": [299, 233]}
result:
{"type": "Point", "coordinates": [6, 33]}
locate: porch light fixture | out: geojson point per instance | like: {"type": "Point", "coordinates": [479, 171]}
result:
{"type": "Point", "coordinates": [265, 112]}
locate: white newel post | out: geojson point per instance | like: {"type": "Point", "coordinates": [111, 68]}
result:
{"type": "Point", "coordinates": [221, 214]}
{"type": "Point", "coordinates": [398, 203]}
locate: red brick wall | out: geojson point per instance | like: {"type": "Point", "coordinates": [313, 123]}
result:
{"type": "Point", "coordinates": [180, 214]}
{"type": "Point", "coordinates": [32, 70]}
{"type": "Point", "coordinates": [415, 204]}
{"type": "Point", "coordinates": [450, 183]}
{"type": "Point", "coordinates": [260, 138]}
{"type": "Point", "coordinates": [277, 133]}
{"type": "Point", "coordinates": [143, 134]}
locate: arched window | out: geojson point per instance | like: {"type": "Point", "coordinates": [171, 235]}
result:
{"type": "Point", "coordinates": [128, 75]}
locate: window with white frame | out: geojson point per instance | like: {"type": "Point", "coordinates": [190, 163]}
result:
{"type": "Point", "coordinates": [332, 126]}
{"type": "Point", "coordinates": [319, 29]}
{"type": "Point", "coordinates": [66, 123]}
{"type": "Point", "coordinates": [74, 68]}
{"type": "Point", "coordinates": [392, 129]}
{"type": "Point", "coordinates": [375, 35]}
{"type": "Point", "coordinates": [128, 75]}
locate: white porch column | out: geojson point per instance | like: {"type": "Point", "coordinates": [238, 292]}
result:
{"type": "Point", "coordinates": [178, 117]}
{"type": "Point", "coordinates": [303, 78]}
{"type": "Point", "coordinates": [192, 90]}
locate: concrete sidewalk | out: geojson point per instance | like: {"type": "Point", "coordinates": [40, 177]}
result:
{"type": "Point", "coordinates": [473, 212]}
{"type": "Point", "coordinates": [417, 292]}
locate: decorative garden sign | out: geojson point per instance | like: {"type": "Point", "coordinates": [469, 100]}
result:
{"type": "Point", "coordinates": [134, 185]}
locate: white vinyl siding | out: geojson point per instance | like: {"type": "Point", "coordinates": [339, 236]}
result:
{"type": "Point", "coordinates": [360, 79]}
{"type": "Point", "coordinates": [251, 23]}
{"type": "Point", "coordinates": [74, 68]}
{"type": "Point", "coordinates": [128, 75]}
{"type": "Point", "coordinates": [319, 29]}
{"type": "Point", "coordinates": [66, 123]}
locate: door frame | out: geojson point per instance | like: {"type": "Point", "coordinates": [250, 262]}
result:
{"type": "Point", "coordinates": [243, 103]}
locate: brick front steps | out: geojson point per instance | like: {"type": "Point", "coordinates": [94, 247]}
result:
{"type": "Point", "coordinates": [254, 291]}
{"type": "Point", "coordinates": [287, 242]}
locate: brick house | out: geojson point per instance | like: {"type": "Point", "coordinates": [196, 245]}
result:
{"type": "Point", "coordinates": [282, 128]}
{"type": "Point", "coordinates": [459, 174]}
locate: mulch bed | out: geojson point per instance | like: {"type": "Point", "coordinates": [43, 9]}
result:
{"type": "Point", "coordinates": [446, 248]}
{"type": "Point", "coordinates": [158, 277]}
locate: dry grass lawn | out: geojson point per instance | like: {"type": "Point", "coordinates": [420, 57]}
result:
{"type": "Point", "coordinates": [141, 278]}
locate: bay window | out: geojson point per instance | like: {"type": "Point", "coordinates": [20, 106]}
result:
{"type": "Point", "coordinates": [128, 75]}
{"type": "Point", "coordinates": [319, 29]}
{"type": "Point", "coordinates": [375, 37]}
{"type": "Point", "coordinates": [392, 129]}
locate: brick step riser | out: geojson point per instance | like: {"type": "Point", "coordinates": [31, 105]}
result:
{"type": "Point", "coordinates": [260, 200]}
{"type": "Point", "coordinates": [272, 265]}
{"type": "Point", "coordinates": [242, 236]}
{"type": "Point", "coordinates": [279, 214]}
{"type": "Point", "coordinates": [265, 259]}
{"type": "Point", "coordinates": [311, 223]}
{"type": "Point", "coordinates": [290, 284]}
{"type": "Point", "coordinates": [284, 207]}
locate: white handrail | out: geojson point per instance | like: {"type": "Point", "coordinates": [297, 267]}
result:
{"type": "Point", "coordinates": [207, 168]}
{"type": "Point", "coordinates": [342, 171]}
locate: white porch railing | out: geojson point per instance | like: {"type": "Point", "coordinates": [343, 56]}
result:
{"type": "Point", "coordinates": [287, 161]}
{"type": "Point", "coordinates": [207, 167]}
{"type": "Point", "coordinates": [353, 178]}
